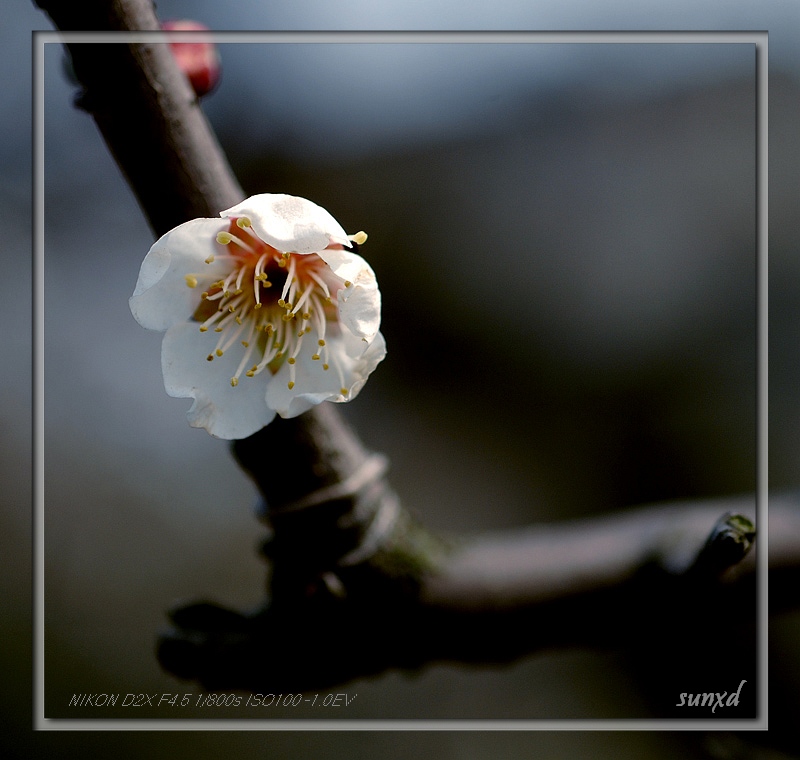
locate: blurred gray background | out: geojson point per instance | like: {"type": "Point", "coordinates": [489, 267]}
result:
{"type": "Point", "coordinates": [565, 241]}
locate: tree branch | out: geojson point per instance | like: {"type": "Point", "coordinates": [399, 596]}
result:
{"type": "Point", "coordinates": [533, 566]}
{"type": "Point", "coordinates": [611, 581]}
{"type": "Point", "coordinates": [147, 113]}
{"type": "Point", "coordinates": [154, 127]}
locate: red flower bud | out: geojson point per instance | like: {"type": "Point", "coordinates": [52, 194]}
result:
{"type": "Point", "coordinates": [198, 60]}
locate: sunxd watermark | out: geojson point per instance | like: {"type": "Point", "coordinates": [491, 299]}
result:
{"type": "Point", "coordinates": [711, 699]}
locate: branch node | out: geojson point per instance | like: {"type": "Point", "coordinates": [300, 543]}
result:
{"type": "Point", "coordinates": [728, 543]}
{"type": "Point", "coordinates": [372, 470]}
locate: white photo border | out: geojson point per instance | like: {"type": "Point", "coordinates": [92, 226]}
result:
{"type": "Point", "coordinates": [760, 41]}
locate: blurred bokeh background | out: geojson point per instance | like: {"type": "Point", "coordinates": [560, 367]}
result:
{"type": "Point", "coordinates": [565, 239]}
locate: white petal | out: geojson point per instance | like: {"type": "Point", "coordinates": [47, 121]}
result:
{"type": "Point", "coordinates": [360, 305]}
{"type": "Point", "coordinates": [162, 297]}
{"type": "Point", "coordinates": [360, 302]}
{"type": "Point", "coordinates": [289, 403]}
{"type": "Point", "coordinates": [289, 223]}
{"type": "Point", "coordinates": [346, 264]}
{"type": "Point", "coordinates": [224, 411]}
{"type": "Point", "coordinates": [363, 366]}
{"type": "Point", "coordinates": [351, 361]}
{"type": "Point", "coordinates": [312, 386]}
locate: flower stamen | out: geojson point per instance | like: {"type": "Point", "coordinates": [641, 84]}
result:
{"type": "Point", "coordinates": [359, 238]}
{"type": "Point", "coordinates": [225, 238]}
{"type": "Point", "coordinates": [322, 284]}
{"type": "Point", "coordinates": [304, 297]}
{"type": "Point", "coordinates": [232, 338]}
{"type": "Point", "coordinates": [248, 344]}
{"type": "Point", "coordinates": [210, 321]}
{"type": "Point", "coordinates": [290, 281]}
{"type": "Point", "coordinates": [270, 352]}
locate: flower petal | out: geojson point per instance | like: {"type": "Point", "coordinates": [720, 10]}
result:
{"type": "Point", "coordinates": [344, 263]}
{"type": "Point", "coordinates": [312, 386]}
{"type": "Point", "coordinates": [161, 297]}
{"type": "Point", "coordinates": [224, 411]}
{"type": "Point", "coordinates": [363, 366]}
{"type": "Point", "coordinates": [360, 301]}
{"type": "Point", "coordinates": [289, 223]}
{"type": "Point", "coordinates": [360, 305]}
{"type": "Point", "coordinates": [351, 361]}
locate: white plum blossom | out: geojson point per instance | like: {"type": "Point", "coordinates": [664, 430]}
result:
{"type": "Point", "coordinates": [267, 310]}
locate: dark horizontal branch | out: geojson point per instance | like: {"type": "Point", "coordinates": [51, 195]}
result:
{"type": "Point", "coordinates": [613, 581]}
{"type": "Point", "coordinates": [532, 566]}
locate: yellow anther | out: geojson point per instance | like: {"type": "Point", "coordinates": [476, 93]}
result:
{"type": "Point", "coordinates": [344, 391]}
{"type": "Point", "coordinates": [359, 238]}
{"type": "Point", "coordinates": [234, 382]}
{"type": "Point", "coordinates": [291, 360]}
{"type": "Point", "coordinates": [191, 280]}
{"type": "Point", "coordinates": [282, 262]}
{"type": "Point", "coordinates": [217, 329]}
{"type": "Point", "coordinates": [237, 291]}
{"type": "Point", "coordinates": [325, 366]}
{"type": "Point", "coordinates": [290, 384]}
{"type": "Point", "coordinates": [250, 373]}
{"type": "Point", "coordinates": [238, 319]}
{"type": "Point", "coordinates": [347, 283]}
{"type": "Point", "coordinates": [262, 276]}
{"type": "Point", "coordinates": [243, 222]}
{"type": "Point", "coordinates": [203, 328]}
{"type": "Point", "coordinates": [210, 259]}
{"type": "Point", "coordinates": [315, 357]}
{"type": "Point", "coordinates": [210, 358]}
{"type": "Point", "coordinates": [218, 352]}
{"type": "Point", "coordinates": [258, 305]}
{"type": "Point", "coordinates": [223, 238]}
{"type": "Point", "coordinates": [306, 315]}
{"type": "Point", "coordinates": [204, 295]}
{"type": "Point", "coordinates": [321, 342]}
{"type": "Point", "coordinates": [245, 344]}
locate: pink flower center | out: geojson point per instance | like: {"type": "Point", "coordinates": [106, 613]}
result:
{"type": "Point", "coordinates": [274, 304]}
